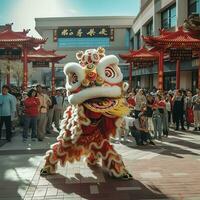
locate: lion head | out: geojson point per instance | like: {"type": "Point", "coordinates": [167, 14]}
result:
{"type": "Point", "coordinates": [95, 76]}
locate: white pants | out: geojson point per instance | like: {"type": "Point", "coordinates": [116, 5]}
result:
{"type": "Point", "coordinates": [122, 131]}
{"type": "Point", "coordinates": [150, 125]}
{"type": "Point", "coordinates": [57, 117]}
{"type": "Point", "coordinates": [197, 118]}
{"type": "Point", "coordinates": [50, 114]}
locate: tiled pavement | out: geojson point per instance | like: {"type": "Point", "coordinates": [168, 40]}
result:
{"type": "Point", "coordinates": [171, 170]}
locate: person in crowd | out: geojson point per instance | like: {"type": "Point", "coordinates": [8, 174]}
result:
{"type": "Point", "coordinates": [140, 130]}
{"type": "Point", "coordinates": [50, 112]}
{"type": "Point", "coordinates": [157, 120]}
{"type": "Point", "coordinates": [128, 123]}
{"type": "Point", "coordinates": [120, 131]}
{"type": "Point", "coordinates": [18, 108]}
{"type": "Point", "coordinates": [196, 110]}
{"type": "Point", "coordinates": [140, 101]}
{"type": "Point", "coordinates": [164, 114]}
{"type": "Point", "coordinates": [45, 102]}
{"type": "Point", "coordinates": [131, 100]}
{"type": "Point", "coordinates": [58, 109]}
{"type": "Point", "coordinates": [149, 114]}
{"type": "Point", "coordinates": [178, 109]}
{"type": "Point", "coordinates": [7, 108]}
{"type": "Point", "coordinates": [14, 114]}
{"type": "Point", "coordinates": [189, 109]}
{"type": "Point", "coordinates": [168, 107]}
{"type": "Point", "coordinates": [65, 102]}
{"type": "Point", "coordinates": [31, 104]}
{"type": "Point", "coordinates": [22, 108]}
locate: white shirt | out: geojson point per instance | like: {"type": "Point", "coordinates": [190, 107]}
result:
{"type": "Point", "coordinates": [59, 100]}
{"type": "Point", "coordinates": [128, 121]}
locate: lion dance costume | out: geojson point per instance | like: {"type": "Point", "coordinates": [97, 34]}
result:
{"type": "Point", "coordinates": [95, 91]}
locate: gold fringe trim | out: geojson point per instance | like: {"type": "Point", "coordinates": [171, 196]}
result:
{"type": "Point", "coordinates": [120, 109]}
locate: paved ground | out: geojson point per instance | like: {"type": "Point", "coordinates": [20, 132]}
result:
{"type": "Point", "coordinates": [171, 170]}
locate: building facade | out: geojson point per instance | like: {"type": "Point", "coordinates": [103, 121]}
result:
{"type": "Point", "coordinates": [71, 34]}
{"type": "Point", "coordinates": [167, 14]}
{"type": "Point", "coordinates": [124, 33]}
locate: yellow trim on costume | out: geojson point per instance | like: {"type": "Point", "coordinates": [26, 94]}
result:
{"type": "Point", "coordinates": [120, 109]}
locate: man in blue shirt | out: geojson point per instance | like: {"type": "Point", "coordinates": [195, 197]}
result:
{"type": "Point", "coordinates": [7, 107]}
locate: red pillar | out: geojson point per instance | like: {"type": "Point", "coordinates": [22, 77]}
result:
{"type": "Point", "coordinates": [161, 71]}
{"type": "Point", "coordinates": [8, 79]}
{"type": "Point", "coordinates": [178, 74]}
{"type": "Point", "coordinates": [25, 69]}
{"type": "Point", "coordinates": [199, 74]}
{"type": "Point", "coordinates": [8, 74]}
{"type": "Point", "coordinates": [53, 78]}
{"type": "Point", "coordinates": [130, 76]}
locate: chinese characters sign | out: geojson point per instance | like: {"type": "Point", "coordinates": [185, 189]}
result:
{"type": "Point", "coordinates": [143, 63]}
{"type": "Point", "coordinates": [83, 32]}
{"type": "Point", "coordinates": [180, 54]}
{"type": "Point", "coordinates": [10, 53]}
{"type": "Point", "coordinates": [40, 64]}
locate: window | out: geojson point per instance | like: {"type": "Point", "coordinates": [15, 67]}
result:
{"type": "Point", "coordinates": [193, 7]}
{"type": "Point", "coordinates": [127, 39]}
{"type": "Point", "coordinates": [170, 81]}
{"type": "Point", "coordinates": [168, 17]}
{"type": "Point", "coordinates": [132, 43]}
{"type": "Point", "coordinates": [138, 39]}
{"type": "Point", "coordinates": [149, 28]}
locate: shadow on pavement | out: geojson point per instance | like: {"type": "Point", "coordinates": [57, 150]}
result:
{"type": "Point", "coordinates": [15, 176]}
{"type": "Point", "coordinates": [176, 147]}
{"type": "Point", "coordinates": [111, 189]}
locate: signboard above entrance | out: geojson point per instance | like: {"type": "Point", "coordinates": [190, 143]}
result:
{"type": "Point", "coordinates": [180, 54]}
{"type": "Point", "coordinates": [80, 32]}
{"type": "Point", "coordinates": [10, 53]}
{"type": "Point", "coordinates": [40, 64]}
{"type": "Point", "coordinates": [83, 32]}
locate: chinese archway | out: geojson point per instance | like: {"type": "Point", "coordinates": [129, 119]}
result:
{"type": "Point", "coordinates": [45, 56]}
{"type": "Point", "coordinates": [139, 58]}
{"type": "Point", "coordinates": [180, 45]}
{"type": "Point", "coordinates": [10, 40]}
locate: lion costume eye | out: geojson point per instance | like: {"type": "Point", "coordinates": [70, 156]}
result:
{"type": "Point", "coordinates": [108, 69]}
{"type": "Point", "coordinates": [110, 72]}
{"type": "Point", "coordinates": [74, 76]}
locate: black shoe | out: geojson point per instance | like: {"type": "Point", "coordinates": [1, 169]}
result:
{"type": "Point", "coordinates": [176, 129]}
{"type": "Point", "coordinates": [48, 132]}
{"type": "Point", "coordinates": [126, 175]}
{"type": "Point", "coordinates": [183, 129]}
{"type": "Point", "coordinates": [152, 143]}
{"type": "Point", "coordinates": [45, 172]}
{"type": "Point", "coordinates": [195, 129]}
{"type": "Point", "coordinates": [40, 140]}
{"type": "Point", "coordinates": [199, 128]}
{"type": "Point", "coordinates": [24, 139]}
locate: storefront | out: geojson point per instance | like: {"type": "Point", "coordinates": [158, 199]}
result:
{"type": "Point", "coordinates": [147, 77]}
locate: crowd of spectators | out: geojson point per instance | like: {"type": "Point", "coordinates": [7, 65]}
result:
{"type": "Point", "coordinates": [154, 112]}
{"type": "Point", "coordinates": [37, 111]}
